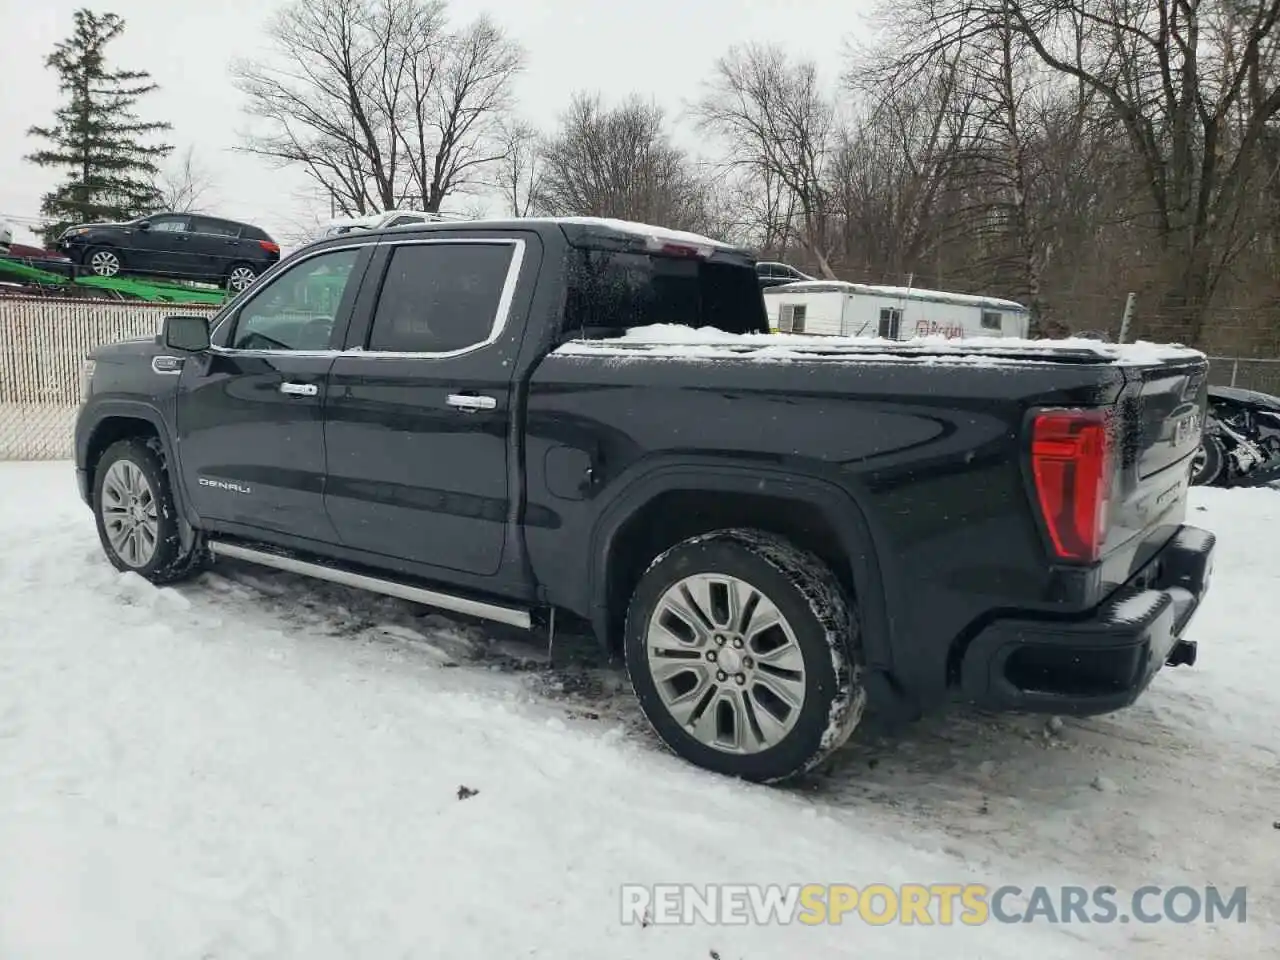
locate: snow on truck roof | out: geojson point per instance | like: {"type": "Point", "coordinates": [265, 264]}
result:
{"type": "Point", "coordinates": [675, 342]}
{"type": "Point", "coordinates": [895, 293]}
{"type": "Point", "coordinates": [642, 230]}
{"type": "Point", "coordinates": [647, 230]}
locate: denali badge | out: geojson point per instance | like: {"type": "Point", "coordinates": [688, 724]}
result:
{"type": "Point", "coordinates": [225, 485]}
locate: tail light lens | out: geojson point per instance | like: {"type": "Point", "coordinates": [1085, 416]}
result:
{"type": "Point", "coordinates": [1071, 465]}
{"type": "Point", "coordinates": [268, 246]}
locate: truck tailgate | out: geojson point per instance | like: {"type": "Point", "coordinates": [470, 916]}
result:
{"type": "Point", "coordinates": [1158, 428]}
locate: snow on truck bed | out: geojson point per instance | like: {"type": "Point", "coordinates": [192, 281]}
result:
{"type": "Point", "coordinates": [256, 765]}
{"type": "Point", "coordinates": [672, 341]}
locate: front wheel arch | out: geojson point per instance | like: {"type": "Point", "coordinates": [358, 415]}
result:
{"type": "Point", "coordinates": [112, 420]}
{"type": "Point", "coordinates": [97, 248]}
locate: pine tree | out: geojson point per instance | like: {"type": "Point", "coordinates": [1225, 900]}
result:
{"type": "Point", "coordinates": [96, 135]}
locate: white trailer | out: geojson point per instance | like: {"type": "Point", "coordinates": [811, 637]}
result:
{"type": "Point", "coordinates": [836, 308]}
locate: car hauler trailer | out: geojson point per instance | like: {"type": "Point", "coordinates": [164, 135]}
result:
{"type": "Point", "coordinates": [836, 308]}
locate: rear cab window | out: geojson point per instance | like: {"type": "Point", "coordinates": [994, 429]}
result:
{"type": "Point", "coordinates": [611, 292]}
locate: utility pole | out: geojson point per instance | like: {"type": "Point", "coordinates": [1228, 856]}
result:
{"type": "Point", "coordinates": [1128, 316]}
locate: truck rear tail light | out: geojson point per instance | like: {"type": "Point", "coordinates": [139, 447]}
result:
{"type": "Point", "coordinates": [268, 246]}
{"type": "Point", "coordinates": [1071, 466]}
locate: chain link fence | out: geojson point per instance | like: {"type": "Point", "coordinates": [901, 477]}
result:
{"type": "Point", "coordinates": [1248, 373]}
{"type": "Point", "coordinates": [42, 343]}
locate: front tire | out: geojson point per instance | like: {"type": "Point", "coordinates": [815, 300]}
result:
{"type": "Point", "coordinates": [136, 517]}
{"type": "Point", "coordinates": [1208, 463]}
{"type": "Point", "coordinates": [104, 262]}
{"type": "Point", "coordinates": [744, 654]}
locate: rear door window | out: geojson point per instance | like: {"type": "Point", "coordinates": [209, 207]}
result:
{"type": "Point", "coordinates": [221, 228]}
{"type": "Point", "coordinates": [440, 297]}
{"type": "Point", "coordinates": [170, 224]}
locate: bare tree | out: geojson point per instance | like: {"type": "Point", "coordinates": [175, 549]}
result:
{"type": "Point", "coordinates": [619, 162]}
{"type": "Point", "coordinates": [893, 171]}
{"type": "Point", "coordinates": [184, 187]}
{"type": "Point", "coordinates": [379, 102]}
{"type": "Point", "coordinates": [1192, 86]}
{"type": "Point", "coordinates": [520, 170]}
{"type": "Point", "coordinates": [776, 123]}
{"type": "Point", "coordinates": [454, 132]}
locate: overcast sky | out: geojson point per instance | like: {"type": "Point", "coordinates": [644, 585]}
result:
{"type": "Point", "coordinates": [660, 48]}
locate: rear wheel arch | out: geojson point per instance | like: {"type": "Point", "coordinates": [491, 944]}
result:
{"type": "Point", "coordinates": [669, 505]}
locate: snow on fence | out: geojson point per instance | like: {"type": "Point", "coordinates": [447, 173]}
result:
{"type": "Point", "coordinates": [42, 343]}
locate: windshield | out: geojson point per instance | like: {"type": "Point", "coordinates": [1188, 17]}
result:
{"type": "Point", "coordinates": [611, 292]}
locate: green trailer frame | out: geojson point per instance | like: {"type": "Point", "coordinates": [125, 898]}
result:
{"type": "Point", "coordinates": [133, 288]}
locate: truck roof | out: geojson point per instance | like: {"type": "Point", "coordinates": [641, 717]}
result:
{"type": "Point", "coordinates": [576, 228]}
{"type": "Point", "coordinates": [896, 293]}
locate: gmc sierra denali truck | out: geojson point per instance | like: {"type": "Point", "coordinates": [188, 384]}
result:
{"type": "Point", "coordinates": [586, 420]}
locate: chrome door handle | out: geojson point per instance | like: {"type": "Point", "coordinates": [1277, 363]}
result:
{"type": "Point", "coordinates": [471, 401]}
{"type": "Point", "coordinates": [299, 389]}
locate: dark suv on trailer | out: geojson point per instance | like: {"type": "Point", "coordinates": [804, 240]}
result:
{"type": "Point", "coordinates": [773, 274]}
{"type": "Point", "coordinates": [186, 246]}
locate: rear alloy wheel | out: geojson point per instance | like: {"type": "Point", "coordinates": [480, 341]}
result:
{"type": "Point", "coordinates": [240, 278]}
{"type": "Point", "coordinates": [137, 520]}
{"type": "Point", "coordinates": [103, 261]}
{"type": "Point", "coordinates": [743, 651]}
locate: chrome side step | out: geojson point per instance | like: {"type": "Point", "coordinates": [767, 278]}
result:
{"type": "Point", "coordinates": [511, 616]}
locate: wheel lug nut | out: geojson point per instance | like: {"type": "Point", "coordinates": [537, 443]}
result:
{"type": "Point", "coordinates": [711, 655]}
{"type": "Point", "coordinates": [720, 639]}
{"type": "Point", "coordinates": [748, 662]}
{"type": "Point", "coordinates": [721, 676]}
{"type": "Point", "coordinates": [737, 642]}
{"type": "Point", "coordinates": [741, 679]}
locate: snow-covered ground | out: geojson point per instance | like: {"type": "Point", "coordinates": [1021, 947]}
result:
{"type": "Point", "coordinates": [253, 765]}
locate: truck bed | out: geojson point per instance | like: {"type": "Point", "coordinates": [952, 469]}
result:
{"type": "Point", "coordinates": [673, 341]}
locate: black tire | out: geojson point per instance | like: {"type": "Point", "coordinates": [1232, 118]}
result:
{"type": "Point", "coordinates": [169, 560]}
{"type": "Point", "coordinates": [822, 619]}
{"type": "Point", "coordinates": [94, 251]}
{"type": "Point", "coordinates": [1209, 462]}
{"type": "Point", "coordinates": [232, 273]}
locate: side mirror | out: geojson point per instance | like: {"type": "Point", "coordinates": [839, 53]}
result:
{"type": "Point", "coordinates": [188, 334]}
{"type": "Point", "coordinates": [144, 224]}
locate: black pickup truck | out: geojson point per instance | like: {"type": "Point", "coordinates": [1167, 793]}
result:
{"type": "Point", "coordinates": [586, 421]}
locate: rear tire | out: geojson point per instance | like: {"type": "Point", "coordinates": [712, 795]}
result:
{"type": "Point", "coordinates": [240, 277]}
{"type": "Point", "coordinates": [136, 517]}
{"type": "Point", "coordinates": [722, 687]}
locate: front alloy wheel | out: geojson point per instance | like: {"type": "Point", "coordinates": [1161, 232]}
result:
{"type": "Point", "coordinates": [136, 518]}
{"type": "Point", "coordinates": [1208, 463]}
{"type": "Point", "coordinates": [129, 513]}
{"type": "Point", "coordinates": [104, 263]}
